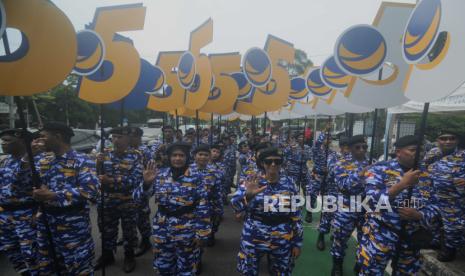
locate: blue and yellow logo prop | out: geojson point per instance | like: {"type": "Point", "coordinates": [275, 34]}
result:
{"type": "Point", "coordinates": [91, 53]}
{"type": "Point", "coordinates": [121, 68]}
{"type": "Point", "coordinates": [422, 30]}
{"type": "Point", "coordinates": [315, 85]}
{"type": "Point", "coordinates": [333, 76]}
{"type": "Point", "coordinates": [47, 51]}
{"type": "Point", "coordinates": [171, 94]}
{"type": "Point", "coordinates": [298, 89]}
{"type": "Point", "coordinates": [245, 88]}
{"type": "Point", "coordinates": [2, 19]}
{"type": "Point", "coordinates": [256, 66]}
{"type": "Point", "coordinates": [223, 89]}
{"type": "Point", "coordinates": [151, 79]}
{"type": "Point", "coordinates": [360, 50]}
{"type": "Point", "coordinates": [186, 70]}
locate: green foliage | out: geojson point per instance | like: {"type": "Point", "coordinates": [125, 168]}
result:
{"type": "Point", "coordinates": [438, 122]}
{"type": "Point", "coordinates": [63, 104]}
{"type": "Point", "coordinates": [300, 64]}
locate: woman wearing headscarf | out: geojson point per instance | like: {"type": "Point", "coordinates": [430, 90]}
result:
{"type": "Point", "coordinates": [182, 221]}
{"type": "Point", "coordinates": [269, 228]}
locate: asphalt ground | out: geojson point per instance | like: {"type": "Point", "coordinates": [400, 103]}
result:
{"type": "Point", "coordinates": [221, 259]}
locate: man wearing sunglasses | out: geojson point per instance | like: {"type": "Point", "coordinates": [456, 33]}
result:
{"type": "Point", "coordinates": [447, 170]}
{"type": "Point", "coordinates": [348, 176]}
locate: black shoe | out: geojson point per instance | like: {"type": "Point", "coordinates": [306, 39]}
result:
{"type": "Point", "coordinates": [357, 268]}
{"type": "Point", "coordinates": [199, 269]}
{"type": "Point", "coordinates": [308, 217]}
{"type": "Point", "coordinates": [337, 267]}
{"type": "Point", "coordinates": [106, 259]}
{"type": "Point", "coordinates": [144, 246]}
{"type": "Point", "coordinates": [320, 243]}
{"type": "Point", "coordinates": [211, 240]}
{"type": "Point", "coordinates": [129, 263]}
{"type": "Point", "coordinates": [446, 254]}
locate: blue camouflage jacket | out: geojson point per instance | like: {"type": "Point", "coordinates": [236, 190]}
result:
{"type": "Point", "coordinates": [172, 194]}
{"type": "Point", "coordinates": [15, 182]}
{"type": "Point", "coordinates": [443, 172]}
{"type": "Point", "coordinates": [212, 181]}
{"type": "Point", "coordinates": [379, 179]}
{"type": "Point", "coordinates": [71, 176]}
{"type": "Point", "coordinates": [292, 231]}
{"type": "Point", "coordinates": [126, 169]}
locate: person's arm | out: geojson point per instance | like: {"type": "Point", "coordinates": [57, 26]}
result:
{"type": "Point", "coordinates": [202, 212]}
{"type": "Point", "coordinates": [409, 179]}
{"type": "Point", "coordinates": [238, 201]}
{"type": "Point", "coordinates": [217, 193]}
{"type": "Point", "coordinates": [86, 187]}
{"type": "Point", "coordinates": [150, 179]}
{"type": "Point", "coordinates": [296, 221]}
{"type": "Point", "coordinates": [129, 178]}
{"type": "Point", "coordinates": [348, 180]}
{"type": "Point", "coordinates": [375, 186]}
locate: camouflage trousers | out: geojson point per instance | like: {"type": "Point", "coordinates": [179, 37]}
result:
{"type": "Point", "coordinates": [114, 212]}
{"type": "Point", "coordinates": [143, 219]}
{"type": "Point", "coordinates": [178, 257]}
{"type": "Point", "coordinates": [378, 247]}
{"type": "Point", "coordinates": [343, 224]}
{"type": "Point", "coordinates": [72, 242]}
{"type": "Point", "coordinates": [18, 240]}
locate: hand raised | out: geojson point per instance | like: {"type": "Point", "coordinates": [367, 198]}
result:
{"type": "Point", "coordinates": [150, 172]}
{"type": "Point", "coordinates": [252, 186]}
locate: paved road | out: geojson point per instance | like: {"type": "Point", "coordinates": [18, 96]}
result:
{"type": "Point", "coordinates": [219, 260]}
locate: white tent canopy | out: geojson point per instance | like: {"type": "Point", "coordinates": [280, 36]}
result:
{"type": "Point", "coordinates": [454, 102]}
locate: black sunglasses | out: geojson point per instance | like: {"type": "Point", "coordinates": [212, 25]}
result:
{"type": "Point", "coordinates": [271, 161]}
{"type": "Point", "coordinates": [359, 147]}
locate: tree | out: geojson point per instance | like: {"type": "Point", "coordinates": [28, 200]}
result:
{"type": "Point", "coordinates": [63, 104]}
{"type": "Point", "coordinates": [300, 64]}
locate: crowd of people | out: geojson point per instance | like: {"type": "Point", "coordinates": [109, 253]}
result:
{"type": "Point", "coordinates": [45, 199]}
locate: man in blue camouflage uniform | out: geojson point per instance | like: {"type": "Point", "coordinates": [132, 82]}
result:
{"type": "Point", "coordinates": [278, 233]}
{"type": "Point", "coordinates": [219, 167]}
{"type": "Point", "coordinates": [348, 176]}
{"type": "Point", "coordinates": [168, 134]}
{"type": "Point", "coordinates": [230, 163]}
{"type": "Point", "coordinates": [122, 173]}
{"type": "Point", "coordinates": [17, 208]}
{"type": "Point", "coordinates": [321, 153]}
{"type": "Point", "coordinates": [143, 209]}
{"type": "Point", "coordinates": [246, 160]}
{"type": "Point", "coordinates": [296, 155]}
{"type": "Point", "coordinates": [387, 185]}
{"type": "Point", "coordinates": [331, 190]}
{"type": "Point", "coordinates": [182, 222]}
{"type": "Point", "coordinates": [68, 181]}
{"type": "Point", "coordinates": [447, 171]}
{"type": "Point", "coordinates": [213, 186]}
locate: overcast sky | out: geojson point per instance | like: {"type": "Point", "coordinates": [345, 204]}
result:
{"type": "Point", "coordinates": [311, 25]}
